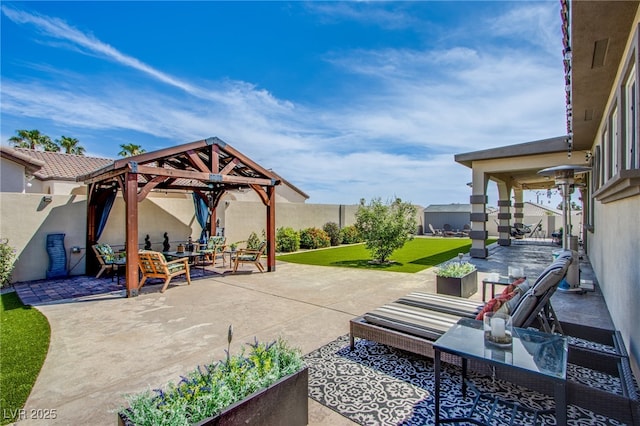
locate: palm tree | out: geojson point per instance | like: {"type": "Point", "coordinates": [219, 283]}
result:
{"type": "Point", "coordinates": [32, 139]}
{"type": "Point", "coordinates": [130, 149]}
{"type": "Point", "coordinates": [71, 145]}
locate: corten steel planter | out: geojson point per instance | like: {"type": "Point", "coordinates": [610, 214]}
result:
{"type": "Point", "coordinates": [461, 287]}
{"type": "Point", "coordinates": [283, 403]}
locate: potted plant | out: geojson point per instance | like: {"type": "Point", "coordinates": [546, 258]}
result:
{"type": "Point", "coordinates": [457, 278]}
{"type": "Point", "coordinates": [263, 384]}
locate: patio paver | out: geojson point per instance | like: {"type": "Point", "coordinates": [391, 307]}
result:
{"type": "Point", "coordinates": [108, 346]}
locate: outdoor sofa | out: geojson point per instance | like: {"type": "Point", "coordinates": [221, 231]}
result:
{"type": "Point", "coordinates": [414, 322]}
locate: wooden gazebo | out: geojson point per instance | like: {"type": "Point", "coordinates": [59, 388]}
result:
{"type": "Point", "coordinates": [208, 167]}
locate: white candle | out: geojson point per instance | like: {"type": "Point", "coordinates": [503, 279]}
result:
{"type": "Point", "coordinates": [497, 327]}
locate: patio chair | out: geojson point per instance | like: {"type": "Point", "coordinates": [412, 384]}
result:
{"type": "Point", "coordinates": [447, 231]}
{"type": "Point", "coordinates": [466, 229]}
{"type": "Point", "coordinates": [215, 248]}
{"type": "Point", "coordinates": [249, 256]}
{"type": "Point", "coordinates": [435, 232]}
{"type": "Point", "coordinates": [154, 265]}
{"type": "Point", "coordinates": [109, 260]}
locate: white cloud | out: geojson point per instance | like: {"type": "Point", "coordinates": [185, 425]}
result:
{"type": "Point", "coordinates": [393, 135]}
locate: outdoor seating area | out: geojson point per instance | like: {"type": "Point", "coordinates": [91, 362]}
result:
{"type": "Point", "coordinates": [417, 322]}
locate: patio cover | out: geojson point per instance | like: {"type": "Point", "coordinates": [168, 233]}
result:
{"type": "Point", "coordinates": [514, 168]}
{"type": "Point", "coordinates": [208, 167]}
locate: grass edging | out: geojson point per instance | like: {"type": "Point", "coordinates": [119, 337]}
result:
{"type": "Point", "coordinates": [24, 342]}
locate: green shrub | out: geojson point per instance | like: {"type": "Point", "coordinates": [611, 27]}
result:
{"type": "Point", "coordinates": [253, 242]}
{"type": "Point", "coordinates": [350, 235]}
{"type": "Point", "coordinates": [313, 238]}
{"type": "Point", "coordinates": [8, 259]}
{"type": "Point", "coordinates": [332, 229]}
{"type": "Point", "coordinates": [287, 240]}
{"type": "Point", "coordinates": [209, 389]}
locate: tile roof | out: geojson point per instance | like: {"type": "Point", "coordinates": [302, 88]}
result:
{"type": "Point", "coordinates": [59, 166]}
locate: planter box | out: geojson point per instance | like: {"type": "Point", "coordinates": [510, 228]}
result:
{"type": "Point", "coordinates": [283, 403]}
{"type": "Point", "coordinates": [461, 287]}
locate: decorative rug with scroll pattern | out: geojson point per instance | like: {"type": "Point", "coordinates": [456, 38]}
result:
{"type": "Point", "coordinates": [378, 385]}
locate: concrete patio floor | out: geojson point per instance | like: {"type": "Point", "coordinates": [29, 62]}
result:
{"type": "Point", "coordinates": [106, 346]}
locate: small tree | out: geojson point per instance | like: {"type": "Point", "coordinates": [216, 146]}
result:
{"type": "Point", "coordinates": [385, 227]}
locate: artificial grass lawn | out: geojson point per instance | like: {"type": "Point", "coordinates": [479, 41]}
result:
{"type": "Point", "coordinates": [416, 255]}
{"type": "Point", "coordinates": [24, 342]}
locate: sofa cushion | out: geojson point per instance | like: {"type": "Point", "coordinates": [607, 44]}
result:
{"type": "Point", "coordinates": [443, 303]}
{"type": "Point", "coordinates": [412, 320]}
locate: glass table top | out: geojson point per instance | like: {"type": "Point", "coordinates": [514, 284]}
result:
{"type": "Point", "coordinates": [532, 350]}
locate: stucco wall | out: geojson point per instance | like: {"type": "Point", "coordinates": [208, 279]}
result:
{"type": "Point", "coordinates": [614, 249]}
{"type": "Point", "coordinates": [25, 219]}
{"type": "Point", "coordinates": [240, 218]}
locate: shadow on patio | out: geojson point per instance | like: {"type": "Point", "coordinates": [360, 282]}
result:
{"type": "Point", "coordinates": [83, 287]}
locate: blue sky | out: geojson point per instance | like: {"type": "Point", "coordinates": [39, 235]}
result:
{"type": "Point", "coordinates": [346, 100]}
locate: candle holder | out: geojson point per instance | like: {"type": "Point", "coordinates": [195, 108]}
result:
{"type": "Point", "coordinates": [498, 330]}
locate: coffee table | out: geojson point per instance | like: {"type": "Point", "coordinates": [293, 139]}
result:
{"type": "Point", "coordinates": [503, 281]}
{"type": "Point", "coordinates": [534, 355]}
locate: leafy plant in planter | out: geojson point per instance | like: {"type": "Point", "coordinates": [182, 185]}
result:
{"type": "Point", "coordinates": [455, 269]}
{"type": "Point", "coordinates": [209, 390]}
{"type": "Point", "coordinates": [457, 279]}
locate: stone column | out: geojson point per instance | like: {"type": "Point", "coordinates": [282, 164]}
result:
{"type": "Point", "coordinates": [518, 216]}
{"type": "Point", "coordinates": [504, 214]}
{"type": "Point", "coordinates": [479, 215]}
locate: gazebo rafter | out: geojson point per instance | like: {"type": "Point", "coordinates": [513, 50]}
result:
{"type": "Point", "coordinates": [208, 167]}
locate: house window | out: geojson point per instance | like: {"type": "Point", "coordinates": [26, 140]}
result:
{"type": "Point", "coordinates": [596, 175]}
{"type": "Point", "coordinates": [605, 157]}
{"type": "Point", "coordinates": [612, 164]}
{"type": "Point", "coordinates": [631, 151]}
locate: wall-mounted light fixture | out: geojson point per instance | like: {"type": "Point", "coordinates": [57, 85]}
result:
{"type": "Point", "coordinates": [47, 199]}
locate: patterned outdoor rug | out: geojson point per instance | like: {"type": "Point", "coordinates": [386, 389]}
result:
{"type": "Point", "coordinates": [378, 385]}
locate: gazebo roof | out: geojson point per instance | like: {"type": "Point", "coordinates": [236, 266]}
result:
{"type": "Point", "coordinates": [187, 167]}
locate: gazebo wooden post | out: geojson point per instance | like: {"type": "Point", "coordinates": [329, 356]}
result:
{"type": "Point", "coordinates": [131, 205]}
{"type": "Point", "coordinates": [271, 229]}
{"type": "Point", "coordinates": [90, 265]}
